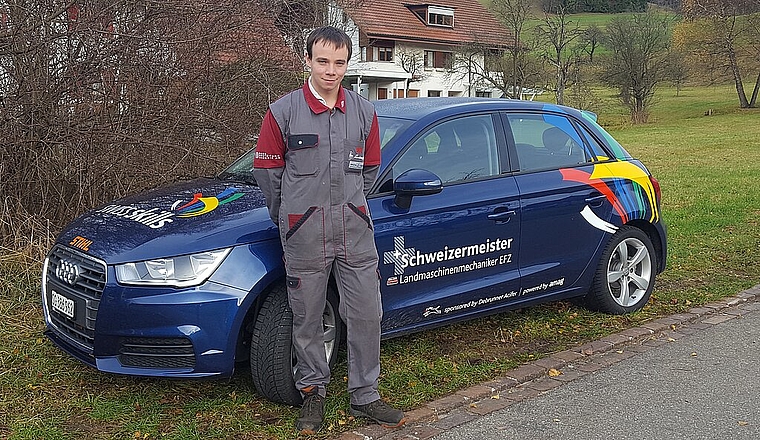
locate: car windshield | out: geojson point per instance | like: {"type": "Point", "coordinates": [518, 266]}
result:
{"type": "Point", "coordinates": [240, 170]}
{"type": "Point", "coordinates": [390, 128]}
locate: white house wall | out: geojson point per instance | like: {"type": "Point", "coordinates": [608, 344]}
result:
{"type": "Point", "coordinates": [441, 80]}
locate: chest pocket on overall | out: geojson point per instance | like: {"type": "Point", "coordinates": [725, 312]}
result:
{"type": "Point", "coordinates": [303, 155]}
{"type": "Point", "coordinates": [354, 151]}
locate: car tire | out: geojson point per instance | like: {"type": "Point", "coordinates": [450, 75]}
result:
{"type": "Point", "coordinates": [272, 360]}
{"type": "Point", "coordinates": [625, 276]}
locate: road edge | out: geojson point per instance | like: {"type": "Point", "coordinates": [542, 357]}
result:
{"type": "Point", "coordinates": [543, 375]}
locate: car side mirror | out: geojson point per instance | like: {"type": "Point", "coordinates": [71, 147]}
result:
{"type": "Point", "coordinates": [415, 182]}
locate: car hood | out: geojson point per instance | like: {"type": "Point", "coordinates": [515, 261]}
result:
{"type": "Point", "coordinates": [182, 218]}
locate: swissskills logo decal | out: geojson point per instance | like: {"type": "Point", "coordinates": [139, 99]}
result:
{"type": "Point", "coordinates": [200, 205]}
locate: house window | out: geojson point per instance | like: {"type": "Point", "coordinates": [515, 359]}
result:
{"type": "Point", "coordinates": [378, 50]}
{"type": "Point", "coordinates": [437, 60]}
{"type": "Point", "coordinates": [438, 16]}
{"type": "Point", "coordinates": [385, 54]}
{"type": "Point", "coordinates": [429, 57]}
{"type": "Point", "coordinates": [482, 94]}
{"type": "Point", "coordinates": [434, 93]}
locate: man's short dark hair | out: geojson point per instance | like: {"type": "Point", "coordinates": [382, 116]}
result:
{"type": "Point", "coordinates": [330, 35]}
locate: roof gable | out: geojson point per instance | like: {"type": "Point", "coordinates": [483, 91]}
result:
{"type": "Point", "coordinates": [403, 20]}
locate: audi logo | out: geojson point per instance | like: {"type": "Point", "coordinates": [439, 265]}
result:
{"type": "Point", "coordinates": [67, 272]}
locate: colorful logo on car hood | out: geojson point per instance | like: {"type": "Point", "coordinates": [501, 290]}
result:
{"type": "Point", "coordinates": [156, 217]}
{"type": "Point", "coordinates": [200, 205]}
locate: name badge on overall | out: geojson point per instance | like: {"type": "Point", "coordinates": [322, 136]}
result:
{"type": "Point", "coordinates": [355, 162]}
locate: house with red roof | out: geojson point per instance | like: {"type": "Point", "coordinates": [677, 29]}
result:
{"type": "Point", "coordinates": [413, 48]}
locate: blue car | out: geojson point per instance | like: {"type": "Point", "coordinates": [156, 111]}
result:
{"type": "Point", "coordinates": [481, 205]}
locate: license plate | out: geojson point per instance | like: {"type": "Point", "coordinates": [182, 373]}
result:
{"type": "Point", "coordinates": [61, 304]}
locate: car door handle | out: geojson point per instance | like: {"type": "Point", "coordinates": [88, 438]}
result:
{"type": "Point", "coordinates": [503, 216]}
{"type": "Point", "coordinates": [596, 201]}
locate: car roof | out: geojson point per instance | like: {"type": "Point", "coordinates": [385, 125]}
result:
{"type": "Point", "coordinates": [416, 108]}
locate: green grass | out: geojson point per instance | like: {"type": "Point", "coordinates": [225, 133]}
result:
{"type": "Point", "coordinates": [707, 166]}
{"type": "Point", "coordinates": [583, 21]}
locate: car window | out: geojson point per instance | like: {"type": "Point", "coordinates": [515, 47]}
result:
{"type": "Point", "coordinates": [546, 141]}
{"type": "Point", "coordinates": [596, 150]}
{"type": "Point", "coordinates": [390, 128]}
{"type": "Point", "coordinates": [455, 150]}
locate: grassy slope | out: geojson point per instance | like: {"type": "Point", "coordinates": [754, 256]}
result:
{"type": "Point", "coordinates": [707, 166]}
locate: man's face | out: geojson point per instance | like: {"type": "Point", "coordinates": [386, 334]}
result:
{"type": "Point", "coordinates": [328, 66]}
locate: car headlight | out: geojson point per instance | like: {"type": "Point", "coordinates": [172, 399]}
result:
{"type": "Point", "coordinates": [181, 271]}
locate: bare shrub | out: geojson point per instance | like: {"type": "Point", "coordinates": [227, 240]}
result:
{"type": "Point", "coordinates": [103, 98]}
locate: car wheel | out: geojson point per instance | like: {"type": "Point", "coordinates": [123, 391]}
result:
{"type": "Point", "coordinates": [272, 358]}
{"type": "Point", "coordinates": [625, 277]}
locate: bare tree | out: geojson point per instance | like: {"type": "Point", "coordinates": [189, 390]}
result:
{"type": "Point", "coordinates": [514, 14]}
{"type": "Point", "coordinates": [678, 70]}
{"type": "Point", "coordinates": [558, 37]}
{"type": "Point", "coordinates": [468, 63]}
{"type": "Point", "coordinates": [638, 61]}
{"type": "Point", "coordinates": [729, 31]}
{"type": "Point", "coordinates": [296, 18]}
{"type": "Point", "coordinates": [484, 67]}
{"type": "Point", "coordinates": [412, 62]}
{"type": "Point", "coordinates": [592, 38]}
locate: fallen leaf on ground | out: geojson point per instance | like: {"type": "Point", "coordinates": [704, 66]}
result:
{"type": "Point", "coordinates": [554, 372]}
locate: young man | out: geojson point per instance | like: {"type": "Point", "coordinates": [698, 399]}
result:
{"type": "Point", "coordinates": [317, 156]}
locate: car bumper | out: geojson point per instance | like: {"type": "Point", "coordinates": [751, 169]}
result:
{"type": "Point", "coordinates": [152, 331]}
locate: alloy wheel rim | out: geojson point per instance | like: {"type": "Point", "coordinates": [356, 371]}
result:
{"type": "Point", "coordinates": [629, 272]}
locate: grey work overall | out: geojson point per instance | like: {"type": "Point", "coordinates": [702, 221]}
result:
{"type": "Point", "coordinates": [325, 227]}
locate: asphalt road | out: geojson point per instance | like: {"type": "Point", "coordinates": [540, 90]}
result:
{"type": "Point", "coordinates": [704, 385]}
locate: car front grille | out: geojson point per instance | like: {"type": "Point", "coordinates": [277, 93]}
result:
{"type": "Point", "coordinates": [164, 353]}
{"type": "Point", "coordinates": [81, 278]}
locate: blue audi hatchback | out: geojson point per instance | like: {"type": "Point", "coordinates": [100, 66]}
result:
{"type": "Point", "coordinates": [481, 205]}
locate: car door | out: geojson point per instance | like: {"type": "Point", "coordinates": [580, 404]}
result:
{"type": "Point", "coordinates": [561, 214]}
{"type": "Point", "coordinates": [453, 253]}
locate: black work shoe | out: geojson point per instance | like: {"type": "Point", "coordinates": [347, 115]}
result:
{"type": "Point", "coordinates": [312, 412]}
{"type": "Point", "coordinates": [380, 412]}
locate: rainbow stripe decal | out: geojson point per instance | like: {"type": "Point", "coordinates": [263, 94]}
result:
{"type": "Point", "coordinates": [200, 205]}
{"type": "Point", "coordinates": [625, 185]}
